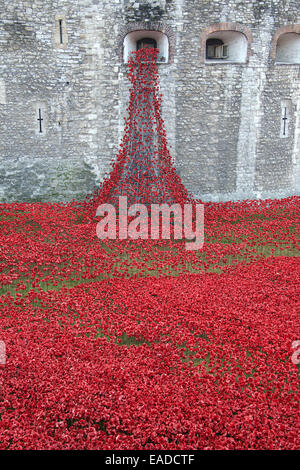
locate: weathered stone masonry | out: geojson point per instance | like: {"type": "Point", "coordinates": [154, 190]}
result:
{"type": "Point", "coordinates": [233, 125]}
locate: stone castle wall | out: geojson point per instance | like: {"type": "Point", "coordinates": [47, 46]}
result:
{"type": "Point", "coordinates": [64, 59]}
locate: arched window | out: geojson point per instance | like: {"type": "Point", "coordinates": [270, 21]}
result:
{"type": "Point", "coordinates": [146, 43]}
{"type": "Point", "coordinates": [136, 40]}
{"type": "Point", "coordinates": [226, 46]}
{"type": "Point", "coordinates": [288, 49]}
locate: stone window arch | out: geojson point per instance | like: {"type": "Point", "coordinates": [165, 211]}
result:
{"type": "Point", "coordinates": [134, 40]}
{"type": "Point", "coordinates": [286, 45]}
{"type": "Point", "coordinates": [159, 33]}
{"type": "Point", "coordinates": [225, 43]}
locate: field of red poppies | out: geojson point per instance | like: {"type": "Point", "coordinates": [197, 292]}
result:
{"type": "Point", "coordinates": [143, 344]}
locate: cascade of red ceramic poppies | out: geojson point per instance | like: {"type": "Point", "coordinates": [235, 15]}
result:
{"type": "Point", "coordinates": [143, 170]}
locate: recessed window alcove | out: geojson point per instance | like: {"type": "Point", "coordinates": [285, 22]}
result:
{"type": "Point", "coordinates": [288, 49]}
{"type": "Point", "coordinates": [136, 40]}
{"type": "Point", "coordinates": [226, 46]}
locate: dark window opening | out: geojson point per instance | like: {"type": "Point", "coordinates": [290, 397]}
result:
{"type": "Point", "coordinates": [147, 43]}
{"type": "Point", "coordinates": [40, 119]}
{"type": "Point", "coordinates": [60, 32]}
{"type": "Point", "coordinates": [216, 49]}
{"type": "Point", "coordinates": [284, 120]}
